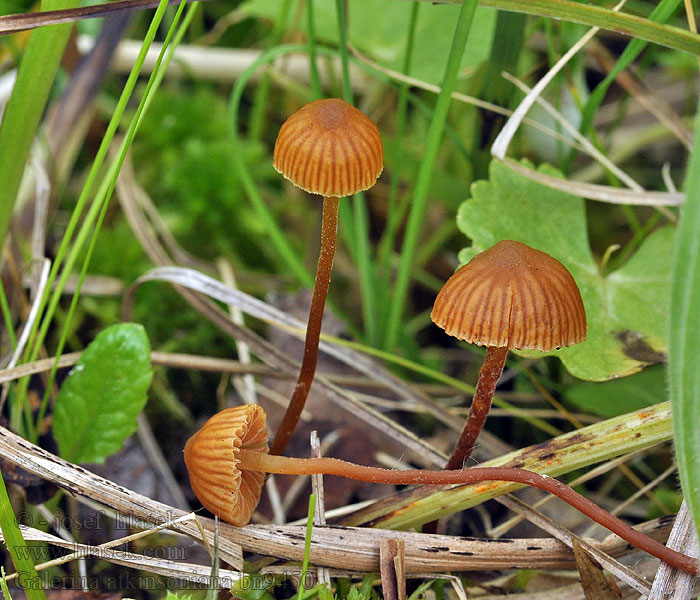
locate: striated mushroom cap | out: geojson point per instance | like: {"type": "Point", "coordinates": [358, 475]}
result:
{"type": "Point", "coordinates": [330, 148]}
{"type": "Point", "coordinates": [210, 456]}
{"type": "Point", "coordinates": [512, 296]}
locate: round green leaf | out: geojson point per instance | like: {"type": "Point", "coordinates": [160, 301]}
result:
{"type": "Point", "coordinates": [99, 401]}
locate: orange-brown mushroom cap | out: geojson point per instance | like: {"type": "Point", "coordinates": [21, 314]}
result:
{"type": "Point", "coordinates": [329, 147]}
{"type": "Point", "coordinates": [210, 456]}
{"type": "Point", "coordinates": [512, 296]}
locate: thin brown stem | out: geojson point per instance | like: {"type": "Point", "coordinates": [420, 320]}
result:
{"type": "Point", "coordinates": [313, 329]}
{"type": "Point", "coordinates": [486, 385]}
{"type": "Point", "coordinates": [258, 461]}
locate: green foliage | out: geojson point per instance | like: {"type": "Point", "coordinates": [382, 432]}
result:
{"type": "Point", "coordinates": [183, 156]}
{"type": "Point", "coordinates": [626, 309]}
{"type": "Point", "coordinates": [670, 498]}
{"type": "Point", "coordinates": [174, 595]}
{"type": "Point", "coordinates": [99, 401]}
{"type": "Point", "coordinates": [384, 39]}
{"type": "Point", "coordinates": [18, 550]}
{"type": "Point", "coordinates": [26, 106]}
{"type": "Point", "coordinates": [365, 591]}
{"type": "Point", "coordinates": [684, 345]}
{"type": "Point", "coordinates": [8, 7]}
{"type": "Point", "coordinates": [3, 585]}
{"type": "Point", "coordinates": [254, 587]}
{"type": "Point", "coordinates": [619, 396]}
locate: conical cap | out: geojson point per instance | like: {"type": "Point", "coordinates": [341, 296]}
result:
{"type": "Point", "coordinates": [329, 147]}
{"type": "Point", "coordinates": [210, 456]}
{"type": "Point", "coordinates": [512, 296]}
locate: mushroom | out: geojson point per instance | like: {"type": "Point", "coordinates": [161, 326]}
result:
{"type": "Point", "coordinates": [510, 296]}
{"type": "Point", "coordinates": [330, 148]}
{"type": "Point", "coordinates": [227, 458]}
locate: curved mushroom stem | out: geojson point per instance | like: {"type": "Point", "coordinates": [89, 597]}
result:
{"type": "Point", "coordinates": [313, 329]}
{"type": "Point", "coordinates": [483, 395]}
{"type": "Point", "coordinates": [257, 461]}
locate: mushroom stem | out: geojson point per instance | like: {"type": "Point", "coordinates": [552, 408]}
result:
{"type": "Point", "coordinates": [313, 329]}
{"type": "Point", "coordinates": [257, 461]}
{"type": "Point", "coordinates": [483, 395]}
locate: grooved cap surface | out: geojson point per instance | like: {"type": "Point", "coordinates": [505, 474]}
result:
{"type": "Point", "coordinates": [329, 147]}
{"type": "Point", "coordinates": [512, 296]}
{"type": "Point", "coordinates": [210, 456]}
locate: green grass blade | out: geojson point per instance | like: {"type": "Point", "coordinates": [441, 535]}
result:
{"type": "Point", "coordinates": [286, 254]}
{"type": "Point", "coordinates": [213, 589]}
{"type": "Point", "coordinates": [262, 92]}
{"type": "Point", "coordinates": [343, 50]}
{"type": "Point", "coordinates": [420, 195]}
{"type": "Point", "coordinates": [107, 188]}
{"type": "Point", "coordinates": [660, 14]}
{"type": "Point", "coordinates": [26, 106]}
{"type": "Point", "coordinates": [29, 579]}
{"type": "Point", "coordinates": [307, 544]}
{"type": "Point", "coordinates": [316, 90]}
{"type": "Point", "coordinates": [506, 47]}
{"type": "Point", "coordinates": [7, 317]}
{"type": "Point", "coordinates": [69, 250]}
{"type": "Point", "coordinates": [597, 16]}
{"type": "Point", "coordinates": [684, 338]}
{"type": "Point", "coordinates": [358, 224]}
{"type": "Point", "coordinates": [3, 585]}
{"type": "Point", "coordinates": [386, 244]}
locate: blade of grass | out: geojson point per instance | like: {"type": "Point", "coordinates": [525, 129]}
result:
{"type": "Point", "coordinates": [343, 50]}
{"type": "Point", "coordinates": [358, 222]}
{"type": "Point", "coordinates": [597, 16]}
{"type": "Point", "coordinates": [262, 92]}
{"type": "Point", "coordinates": [107, 188]}
{"type": "Point", "coordinates": [17, 547]}
{"type": "Point", "coordinates": [316, 90]}
{"type": "Point", "coordinates": [684, 337]}
{"type": "Point", "coordinates": [307, 544]}
{"type": "Point", "coordinates": [286, 254]}
{"type": "Point", "coordinates": [661, 13]}
{"type": "Point", "coordinates": [420, 195]}
{"type": "Point", "coordinates": [70, 250]}
{"type": "Point", "coordinates": [3, 585]}
{"type": "Point", "coordinates": [7, 317]}
{"type": "Point", "coordinates": [213, 589]}
{"type": "Point", "coordinates": [26, 106]}
{"type": "Point", "coordinates": [386, 245]}
{"type": "Point", "coordinates": [506, 49]}
{"type": "Point", "coordinates": [566, 10]}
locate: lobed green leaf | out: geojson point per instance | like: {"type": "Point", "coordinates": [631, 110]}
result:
{"type": "Point", "coordinates": [626, 310]}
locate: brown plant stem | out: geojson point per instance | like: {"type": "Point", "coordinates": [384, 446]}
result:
{"type": "Point", "coordinates": [313, 329]}
{"type": "Point", "coordinates": [483, 395]}
{"type": "Point", "coordinates": [257, 461]}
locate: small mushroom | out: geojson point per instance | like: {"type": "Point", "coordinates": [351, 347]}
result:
{"type": "Point", "coordinates": [510, 296]}
{"type": "Point", "coordinates": [227, 458]}
{"type": "Point", "coordinates": [330, 148]}
{"type": "Point", "coordinates": [223, 486]}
